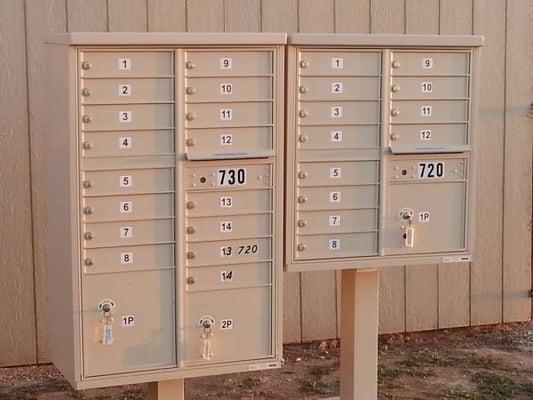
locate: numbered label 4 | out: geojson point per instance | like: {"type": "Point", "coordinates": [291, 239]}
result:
{"type": "Point", "coordinates": [125, 142]}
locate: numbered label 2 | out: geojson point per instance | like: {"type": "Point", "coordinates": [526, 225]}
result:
{"type": "Point", "coordinates": [337, 87]}
{"type": "Point", "coordinates": [124, 89]}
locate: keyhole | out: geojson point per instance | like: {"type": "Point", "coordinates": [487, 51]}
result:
{"type": "Point", "coordinates": [404, 172]}
{"type": "Point", "coordinates": [202, 179]}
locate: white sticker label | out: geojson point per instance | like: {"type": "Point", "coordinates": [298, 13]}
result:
{"type": "Point", "coordinates": [424, 216]}
{"type": "Point", "coordinates": [124, 64]}
{"type": "Point", "coordinates": [125, 181]}
{"type": "Point", "coordinates": [124, 89]}
{"type": "Point", "coordinates": [335, 197]}
{"type": "Point", "coordinates": [126, 258]}
{"type": "Point", "coordinates": [427, 63]}
{"type": "Point", "coordinates": [425, 134]}
{"type": "Point", "coordinates": [335, 172]}
{"type": "Point", "coordinates": [426, 111]}
{"type": "Point", "coordinates": [107, 334]}
{"type": "Point", "coordinates": [226, 202]}
{"type": "Point", "coordinates": [427, 87]}
{"type": "Point", "coordinates": [226, 63]}
{"type": "Point", "coordinates": [226, 276]}
{"type": "Point", "coordinates": [226, 88]}
{"type": "Point", "coordinates": [336, 112]}
{"type": "Point", "coordinates": [258, 367]}
{"type": "Point", "coordinates": [226, 251]}
{"type": "Point", "coordinates": [226, 140]}
{"type": "Point", "coordinates": [128, 321]}
{"type": "Point", "coordinates": [334, 220]}
{"type": "Point", "coordinates": [226, 324]}
{"type": "Point", "coordinates": [226, 114]}
{"type": "Point", "coordinates": [226, 226]}
{"type": "Point", "coordinates": [125, 142]}
{"type": "Point", "coordinates": [335, 136]}
{"type": "Point", "coordinates": [337, 63]}
{"type": "Point", "coordinates": [126, 232]}
{"type": "Point", "coordinates": [126, 207]}
{"type": "Point", "coordinates": [334, 244]}
{"type": "Point", "coordinates": [456, 259]}
{"type": "Point", "coordinates": [337, 87]}
{"type": "Point", "coordinates": [125, 117]}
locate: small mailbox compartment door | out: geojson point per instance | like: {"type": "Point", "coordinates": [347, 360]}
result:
{"type": "Point", "coordinates": [128, 116]}
{"type": "Point", "coordinates": [137, 90]}
{"type": "Point", "coordinates": [127, 143]}
{"type": "Point", "coordinates": [429, 137]}
{"type": "Point", "coordinates": [141, 335]}
{"type": "Point", "coordinates": [127, 64]}
{"type": "Point", "coordinates": [229, 141]}
{"type": "Point", "coordinates": [241, 325]}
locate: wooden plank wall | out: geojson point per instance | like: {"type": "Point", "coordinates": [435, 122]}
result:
{"type": "Point", "coordinates": [490, 290]}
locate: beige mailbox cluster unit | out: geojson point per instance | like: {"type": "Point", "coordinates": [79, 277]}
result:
{"type": "Point", "coordinates": [379, 150]}
{"type": "Point", "coordinates": [166, 196]}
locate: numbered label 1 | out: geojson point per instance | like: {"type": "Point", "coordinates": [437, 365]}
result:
{"type": "Point", "coordinates": [426, 111]}
{"type": "Point", "coordinates": [336, 112]}
{"type": "Point", "coordinates": [226, 63]}
{"type": "Point", "coordinates": [125, 181]}
{"type": "Point", "coordinates": [126, 258]}
{"type": "Point", "coordinates": [335, 172]}
{"type": "Point", "coordinates": [126, 232]}
{"type": "Point", "coordinates": [125, 116]}
{"type": "Point", "coordinates": [226, 324]}
{"type": "Point", "coordinates": [125, 142]}
{"type": "Point", "coordinates": [226, 140]}
{"type": "Point", "coordinates": [226, 202]}
{"type": "Point", "coordinates": [124, 89]}
{"type": "Point", "coordinates": [425, 134]}
{"type": "Point", "coordinates": [335, 136]}
{"type": "Point", "coordinates": [226, 88]}
{"type": "Point", "coordinates": [424, 216]}
{"type": "Point", "coordinates": [226, 226]}
{"type": "Point", "coordinates": [427, 63]}
{"type": "Point", "coordinates": [124, 64]}
{"type": "Point", "coordinates": [334, 220]}
{"type": "Point", "coordinates": [226, 276]}
{"type": "Point", "coordinates": [337, 87]}
{"type": "Point", "coordinates": [431, 170]}
{"type": "Point", "coordinates": [337, 63]}
{"type": "Point", "coordinates": [226, 114]}
{"type": "Point", "coordinates": [335, 197]}
{"type": "Point", "coordinates": [126, 207]}
{"type": "Point", "coordinates": [334, 244]}
{"type": "Point", "coordinates": [128, 321]}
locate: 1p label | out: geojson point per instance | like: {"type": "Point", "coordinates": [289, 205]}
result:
{"type": "Point", "coordinates": [424, 216]}
{"type": "Point", "coordinates": [128, 321]}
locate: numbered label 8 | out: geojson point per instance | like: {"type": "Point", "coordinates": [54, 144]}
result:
{"type": "Point", "coordinates": [126, 258]}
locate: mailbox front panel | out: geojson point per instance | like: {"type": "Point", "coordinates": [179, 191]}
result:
{"type": "Point", "coordinates": [380, 168]}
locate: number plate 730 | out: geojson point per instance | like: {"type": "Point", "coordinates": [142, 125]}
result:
{"type": "Point", "coordinates": [231, 176]}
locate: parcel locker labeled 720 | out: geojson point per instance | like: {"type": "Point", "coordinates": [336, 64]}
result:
{"type": "Point", "coordinates": [165, 203]}
{"type": "Point", "coordinates": [380, 154]}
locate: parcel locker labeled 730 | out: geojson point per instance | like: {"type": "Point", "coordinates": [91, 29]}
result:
{"type": "Point", "coordinates": [165, 175]}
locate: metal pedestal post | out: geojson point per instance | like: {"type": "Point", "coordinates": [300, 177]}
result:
{"type": "Point", "coordinates": [166, 390]}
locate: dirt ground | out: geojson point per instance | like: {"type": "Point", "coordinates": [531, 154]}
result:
{"type": "Point", "coordinates": [485, 363]}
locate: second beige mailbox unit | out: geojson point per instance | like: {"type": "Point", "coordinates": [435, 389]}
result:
{"type": "Point", "coordinates": [380, 136]}
{"type": "Point", "coordinates": [166, 173]}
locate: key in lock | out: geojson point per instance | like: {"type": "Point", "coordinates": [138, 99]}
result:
{"type": "Point", "coordinates": [105, 308]}
{"type": "Point", "coordinates": [207, 323]}
{"type": "Point", "coordinates": [406, 215]}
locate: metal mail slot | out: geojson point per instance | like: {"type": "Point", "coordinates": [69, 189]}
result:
{"type": "Point", "coordinates": [336, 245]}
{"type": "Point", "coordinates": [338, 137]}
{"type": "Point", "coordinates": [147, 341]}
{"type": "Point", "coordinates": [228, 63]}
{"type": "Point", "coordinates": [249, 176]}
{"type": "Point", "coordinates": [135, 90]}
{"type": "Point", "coordinates": [229, 252]}
{"type": "Point", "coordinates": [337, 221]}
{"type": "Point", "coordinates": [224, 203]}
{"type": "Point", "coordinates": [429, 136]}
{"type": "Point", "coordinates": [338, 63]}
{"type": "Point", "coordinates": [338, 173]}
{"type": "Point", "coordinates": [241, 325]}
{"type": "Point", "coordinates": [233, 227]}
{"type": "Point", "coordinates": [341, 112]}
{"type": "Point", "coordinates": [127, 143]}
{"type": "Point", "coordinates": [430, 63]}
{"type": "Point", "coordinates": [127, 117]}
{"type": "Point", "coordinates": [431, 87]}
{"type": "Point", "coordinates": [133, 181]}
{"type": "Point", "coordinates": [228, 89]}
{"type": "Point", "coordinates": [435, 217]}
{"type": "Point", "coordinates": [229, 277]}
{"type": "Point", "coordinates": [126, 64]}
{"type": "Point", "coordinates": [427, 169]}
{"type": "Point", "coordinates": [334, 88]}
{"type": "Point", "coordinates": [122, 208]}
{"type": "Point", "coordinates": [228, 114]}
{"type": "Point", "coordinates": [430, 111]}
{"type": "Point", "coordinates": [228, 140]}
{"type": "Point", "coordinates": [126, 233]}
{"type": "Point", "coordinates": [128, 258]}
{"type": "Point", "coordinates": [337, 197]}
